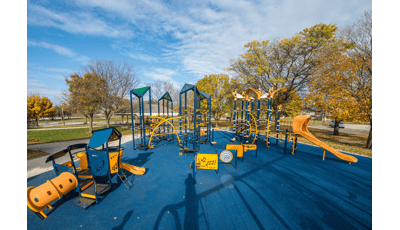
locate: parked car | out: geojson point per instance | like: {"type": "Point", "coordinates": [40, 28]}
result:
{"type": "Point", "coordinates": [332, 124]}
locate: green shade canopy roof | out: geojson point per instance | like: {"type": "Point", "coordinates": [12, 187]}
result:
{"type": "Point", "coordinates": [140, 91]}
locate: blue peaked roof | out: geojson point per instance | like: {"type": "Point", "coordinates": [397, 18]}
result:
{"type": "Point", "coordinates": [204, 95]}
{"type": "Point", "coordinates": [188, 87]}
{"type": "Point", "coordinates": [166, 96]}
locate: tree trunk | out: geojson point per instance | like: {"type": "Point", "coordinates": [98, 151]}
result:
{"type": "Point", "coordinates": [91, 123]}
{"type": "Point", "coordinates": [336, 129]}
{"type": "Point", "coordinates": [62, 116]}
{"type": "Point", "coordinates": [37, 122]}
{"type": "Point", "coordinates": [108, 116]}
{"type": "Point", "coordinates": [369, 140]}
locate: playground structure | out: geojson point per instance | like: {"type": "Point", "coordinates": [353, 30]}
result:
{"type": "Point", "coordinates": [248, 128]}
{"type": "Point", "coordinates": [154, 129]}
{"type": "Point", "coordinates": [193, 135]}
{"type": "Point", "coordinates": [143, 123]}
{"type": "Point", "coordinates": [92, 180]}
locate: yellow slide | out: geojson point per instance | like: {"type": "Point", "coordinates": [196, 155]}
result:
{"type": "Point", "coordinates": [300, 124]}
{"type": "Point", "coordinates": [133, 169]}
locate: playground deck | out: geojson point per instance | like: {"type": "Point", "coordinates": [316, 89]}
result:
{"type": "Point", "coordinates": [273, 191]}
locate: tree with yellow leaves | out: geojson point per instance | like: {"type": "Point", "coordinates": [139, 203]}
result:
{"type": "Point", "coordinates": [292, 107]}
{"type": "Point", "coordinates": [217, 85]}
{"type": "Point", "coordinates": [342, 82]}
{"type": "Point", "coordinates": [85, 94]}
{"type": "Point", "coordinates": [283, 62]}
{"type": "Point", "coordinates": [39, 107]}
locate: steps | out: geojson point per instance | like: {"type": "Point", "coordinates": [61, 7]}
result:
{"type": "Point", "coordinates": [122, 176]}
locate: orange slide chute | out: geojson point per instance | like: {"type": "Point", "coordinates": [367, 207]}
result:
{"type": "Point", "coordinates": [300, 124]}
{"type": "Point", "coordinates": [133, 169]}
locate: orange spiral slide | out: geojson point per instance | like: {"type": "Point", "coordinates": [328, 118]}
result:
{"type": "Point", "coordinates": [39, 198]}
{"type": "Point", "coordinates": [300, 124]}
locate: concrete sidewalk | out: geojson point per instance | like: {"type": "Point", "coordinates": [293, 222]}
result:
{"type": "Point", "coordinates": [37, 166]}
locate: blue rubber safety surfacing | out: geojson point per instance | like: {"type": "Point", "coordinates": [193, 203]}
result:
{"type": "Point", "coordinates": [273, 191]}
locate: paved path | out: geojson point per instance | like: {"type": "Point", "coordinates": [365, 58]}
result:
{"type": "Point", "coordinates": [37, 166]}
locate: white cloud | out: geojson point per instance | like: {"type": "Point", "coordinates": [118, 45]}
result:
{"type": "Point", "coordinates": [42, 75]}
{"type": "Point", "coordinates": [76, 22]}
{"type": "Point", "coordinates": [164, 75]}
{"type": "Point", "coordinates": [206, 34]}
{"type": "Point", "coordinates": [60, 50]}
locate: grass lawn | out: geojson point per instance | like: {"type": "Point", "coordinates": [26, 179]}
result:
{"type": "Point", "coordinates": [344, 142]}
{"type": "Point", "coordinates": [36, 153]}
{"type": "Point", "coordinates": [46, 136]}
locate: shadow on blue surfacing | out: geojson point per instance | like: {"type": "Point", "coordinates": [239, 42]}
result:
{"type": "Point", "coordinates": [272, 191]}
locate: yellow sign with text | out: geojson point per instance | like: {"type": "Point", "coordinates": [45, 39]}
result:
{"type": "Point", "coordinates": [207, 161]}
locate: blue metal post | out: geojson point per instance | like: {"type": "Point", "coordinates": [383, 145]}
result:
{"type": "Point", "coordinates": [144, 127]}
{"type": "Point", "coordinates": [277, 126]}
{"type": "Point", "coordinates": [163, 113]}
{"type": "Point", "coordinates": [209, 119]}
{"type": "Point", "coordinates": [194, 120]}
{"type": "Point", "coordinates": [133, 126]}
{"type": "Point", "coordinates": [246, 117]}
{"type": "Point", "coordinates": [186, 121]}
{"type": "Point", "coordinates": [234, 117]}
{"type": "Point", "coordinates": [180, 119]}
{"type": "Point", "coordinates": [167, 115]}
{"type": "Point", "coordinates": [286, 141]}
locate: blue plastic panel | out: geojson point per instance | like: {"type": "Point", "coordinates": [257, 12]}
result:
{"type": "Point", "coordinates": [99, 137]}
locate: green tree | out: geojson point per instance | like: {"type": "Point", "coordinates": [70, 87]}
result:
{"type": "Point", "coordinates": [38, 107]}
{"type": "Point", "coordinates": [217, 85]}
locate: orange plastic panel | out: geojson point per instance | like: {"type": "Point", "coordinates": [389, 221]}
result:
{"type": "Point", "coordinates": [239, 149]}
{"type": "Point", "coordinates": [82, 160]}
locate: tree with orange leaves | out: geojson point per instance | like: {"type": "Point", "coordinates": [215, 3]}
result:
{"type": "Point", "coordinates": [342, 79]}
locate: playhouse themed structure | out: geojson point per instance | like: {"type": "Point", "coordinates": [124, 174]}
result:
{"type": "Point", "coordinates": [92, 180]}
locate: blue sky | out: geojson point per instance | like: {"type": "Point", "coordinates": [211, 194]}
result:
{"type": "Point", "coordinates": [177, 41]}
